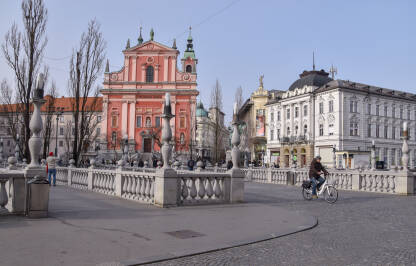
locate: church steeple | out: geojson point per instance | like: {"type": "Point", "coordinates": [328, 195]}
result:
{"type": "Point", "coordinates": [128, 44]}
{"type": "Point", "coordinates": [107, 67]}
{"type": "Point", "coordinates": [140, 39]}
{"type": "Point", "coordinates": [174, 44]}
{"type": "Point", "coordinates": [189, 52]}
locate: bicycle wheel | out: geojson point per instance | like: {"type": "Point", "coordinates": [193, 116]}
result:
{"type": "Point", "coordinates": [331, 194]}
{"type": "Point", "coordinates": [307, 194]}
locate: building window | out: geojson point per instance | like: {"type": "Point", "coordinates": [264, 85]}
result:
{"type": "Point", "coordinates": [353, 129]}
{"type": "Point", "coordinates": [271, 116]}
{"type": "Point", "coordinates": [408, 114]}
{"type": "Point", "coordinates": [331, 106]}
{"type": "Point", "coordinates": [354, 107]}
{"type": "Point", "coordinates": [296, 130]}
{"type": "Point", "coordinates": [271, 134]}
{"type": "Point", "coordinates": [139, 121]}
{"type": "Point", "coordinates": [148, 122]}
{"type": "Point", "coordinates": [305, 110]}
{"type": "Point", "coordinates": [377, 131]}
{"type": "Point", "coordinates": [61, 143]}
{"type": "Point", "coordinates": [377, 110]}
{"type": "Point", "coordinates": [98, 131]}
{"type": "Point", "coordinates": [278, 116]}
{"type": "Point", "coordinates": [188, 69]}
{"type": "Point", "coordinates": [61, 131]}
{"type": "Point", "coordinates": [393, 112]}
{"type": "Point", "coordinates": [114, 121]}
{"type": "Point", "coordinates": [182, 139]}
{"type": "Point", "coordinates": [305, 129]}
{"type": "Point", "coordinates": [386, 110]}
{"type": "Point", "coordinates": [321, 108]}
{"type": "Point", "coordinates": [114, 137]}
{"type": "Point", "coordinates": [99, 118]}
{"type": "Point", "coordinates": [296, 111]}
{"type": "Point", "coordinates": [278, 133]}
{"type": "Point", "coordinates": [393, 132]}
{"type": "Point", "coordinates": [386, 128]}
{"type": "Point", "coordinates": [401, 113]}
{"type": "Point", "coordinates": [401, 131]}
{"type": "Point", "coordinates": [182, 122]}
{"type": "Point", "coordinates": [369, 109]}
{"type": "Point", "coordinates": [288, 113]}
{"type": "Point", "coordinates": [73, 131]}
{"type": "Point", "coordinates": [149, 74]}
{"type": "Point", "coordinates": [321, 130]}
{"type": "Point", "coordinates": [393, 156]}
{"type": "Point", "coordinates": [369, 130]}
{"type": "Point", "coordinates": [157, 121]}
{"type": "Point", "coordinates": [288, 131]}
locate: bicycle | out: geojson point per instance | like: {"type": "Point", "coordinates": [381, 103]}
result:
{"type": "Point", "coordinates": [331, 195]}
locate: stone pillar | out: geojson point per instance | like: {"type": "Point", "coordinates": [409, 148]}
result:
{"type": "Point", "coordinates": [165, 68]}
{"type": "Point", "coordinates": [167, 183]}
{"type": "Point", "coordinates": [405, 148]}
{"type": "Point", "coordinates": [133, 69]}
{"type": "Point", "coordinates": [132, 118]}
{"type": "Point", "coordinates": [373, 156]}
{"type": "Point", "coordinates": [173, 69]}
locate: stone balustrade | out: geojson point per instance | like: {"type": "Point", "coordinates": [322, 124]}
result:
{"type": "Point", "coordinates": [395, 182]}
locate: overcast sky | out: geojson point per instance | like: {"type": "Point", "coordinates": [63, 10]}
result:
{"type": "Point", "coordinates": [371, 42]}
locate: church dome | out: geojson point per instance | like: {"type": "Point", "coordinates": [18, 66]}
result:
{"type": "Point", "coordinates": [200, 111]}
{"type": "Point", "coordinates": [311, 78]}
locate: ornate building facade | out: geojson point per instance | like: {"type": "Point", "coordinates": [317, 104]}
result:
{"type": "Point", "coordinates": [133, 97]}
{"type": "Point", "coordinates": [339, 120]}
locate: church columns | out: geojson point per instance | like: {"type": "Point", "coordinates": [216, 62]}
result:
{"type": "Point", "coordinates": [156, 73]}
{"type": "Point", "coordinates": [165, 68]}
{"type": "Point", "coordinates": [143, 79]}
{"type": "Point", "coordinates": [133, 69]}
{"type": "Point", "coordinates": [104, 117]}
{"type": "Point", "coordinates": [132, 119]}
{"type": "Point", "coordinates": [173, 69]}
{"type": "Point", "coordinates": [124, 119]}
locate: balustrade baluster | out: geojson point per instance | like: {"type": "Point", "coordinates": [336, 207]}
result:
{"type": "Point", "coordinates": [152, 188]}
{"type": "Point", "coordinates": [201, 188]}
{"type": "Point", "coordinates": [185, 193]}
{"type": "Point", "coordinates": [193, 188]}
{"type": "Point", "coordinates": [142, 187]}
{"type": "Point", "coordinates": [217, 189]}
{"type": "Point", "coordinates": [124, 180]}
{"type": "Point", "coordinates": [147, 188]}
{"type": "Point", "coordinates": [209, 190]}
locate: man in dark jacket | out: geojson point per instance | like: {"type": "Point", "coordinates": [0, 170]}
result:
{"type": "Point", "coordinates": [315, 172]}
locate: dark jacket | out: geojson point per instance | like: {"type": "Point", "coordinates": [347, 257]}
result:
{"type": "Point", "coordinates": [316, 168]}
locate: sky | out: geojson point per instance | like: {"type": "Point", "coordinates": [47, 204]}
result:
{"type": "Point", "coordinates": [235, 41]}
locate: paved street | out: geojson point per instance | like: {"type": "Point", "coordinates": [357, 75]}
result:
{"type": "Point", "coordinates": [360, 229]}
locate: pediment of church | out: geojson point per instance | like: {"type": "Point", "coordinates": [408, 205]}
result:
{"type": "Point", "coordinates": [150, 46]}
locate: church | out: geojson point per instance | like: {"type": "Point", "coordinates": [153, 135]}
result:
{"type": "Point", "coordinates": [133, 96]}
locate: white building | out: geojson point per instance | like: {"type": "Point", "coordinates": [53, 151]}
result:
{"type": "Point", "coordinates": [206, 133]}
{"type": "Point", "coordinates": [338, 119]}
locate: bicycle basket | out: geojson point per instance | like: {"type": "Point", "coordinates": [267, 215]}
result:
{"type": "Point", "coordinates": [306, 184]}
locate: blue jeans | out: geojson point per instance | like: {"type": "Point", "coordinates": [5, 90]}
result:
{"type": "Point", "coordinates": [52, 172]}
{"type": "Point", "coordinates": [315, 183]}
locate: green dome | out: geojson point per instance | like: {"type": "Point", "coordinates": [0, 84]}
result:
{"type": "Point", "coordinates": [200, 111]}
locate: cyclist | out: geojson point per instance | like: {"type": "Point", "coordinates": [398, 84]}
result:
{"type": "Point", "coordinates": [315, 172]}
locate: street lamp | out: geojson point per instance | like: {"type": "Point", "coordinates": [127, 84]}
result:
{"type": "Point", "coordinates": [58, 114]}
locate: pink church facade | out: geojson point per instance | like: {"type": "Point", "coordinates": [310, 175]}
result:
{"type": "Point", "coordinates": [133, 97]}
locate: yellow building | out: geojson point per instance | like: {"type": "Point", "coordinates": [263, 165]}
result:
{"type": "Point", "coordinates": [254, 128]}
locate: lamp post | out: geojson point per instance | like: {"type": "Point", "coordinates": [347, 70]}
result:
{"type": "Point", "coordinates": [334, 150]}
{"type": "Point", "coordinates": [373, 155]}
{"type": "Point", "coordinates": [58, 114]}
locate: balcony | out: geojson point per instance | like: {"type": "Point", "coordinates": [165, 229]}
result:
{"type": "Point", "coordinates": [301, 139]}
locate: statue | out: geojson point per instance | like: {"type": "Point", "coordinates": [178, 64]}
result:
{"type": "Point", "coordinates": [261, 80]}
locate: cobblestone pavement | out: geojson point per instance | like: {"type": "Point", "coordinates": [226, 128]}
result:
{"type": "Point", "coordinates": [360, 229]}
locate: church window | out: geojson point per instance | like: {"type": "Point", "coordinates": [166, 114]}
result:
{"type": "Point", "coordinates": [139, 121]}
{"type": "Point", "coordinates": [157, 121]}
{"type": "Point", "coordinates": [188, 69]}
{"type": "Point", "coordinates": [114, 137]}
{"type": "Point", "coordinates": [149, 74]}
{"type": "Point", "coordinates": [321, 108]}
{"type": "Point", "coordinates": [182, 139]}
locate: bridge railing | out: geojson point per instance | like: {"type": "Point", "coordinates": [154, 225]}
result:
{"type": "Point", "coordinates": [392, 181]}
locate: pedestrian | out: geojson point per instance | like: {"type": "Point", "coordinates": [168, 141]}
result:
{"type": "Point", "coordinates": [229, 165]}
{"type": "Point", "coordinates": [191, 164]}
{"type": "Point", "coordinates": [141, 164]}
{"type": "Point", "coordinates": [51, 166]}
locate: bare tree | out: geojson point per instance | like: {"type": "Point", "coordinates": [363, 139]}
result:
{"type": "Point", "coordinates": [23, 51]}
{"type": "Point", "coordinates": [49, 111]}
{"type": "Point", "coordinates": [216, 106]}
{"type": "Point", "coordinates": [85, 67]}
{"type": "Point", "coordinates": [239, 97]}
